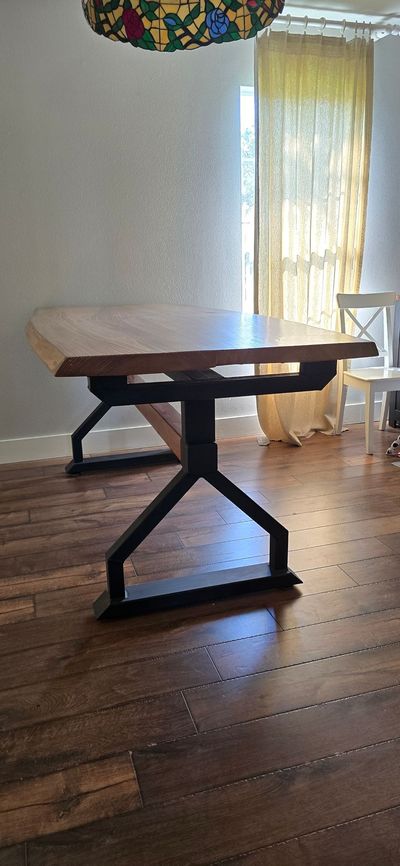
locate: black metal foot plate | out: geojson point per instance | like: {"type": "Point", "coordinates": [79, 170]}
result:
{"type": "Point", "coordinates": [176, 592]}
{"type": "Point", "coordinates": [119, 461]}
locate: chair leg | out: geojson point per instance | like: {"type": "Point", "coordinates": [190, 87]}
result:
{"type": "Point", "coordinates": [369, 421]}
{"type": "Point", "coordinates": [341, 402]}
{"type": "Point", "coordinates": [384, 410]}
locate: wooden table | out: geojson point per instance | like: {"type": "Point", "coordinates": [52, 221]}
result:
{"type": "Point", "coordinates": [112, 346]}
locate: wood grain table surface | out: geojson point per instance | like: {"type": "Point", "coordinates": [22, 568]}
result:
{"type": "Point", "coordinates": [124, 340]}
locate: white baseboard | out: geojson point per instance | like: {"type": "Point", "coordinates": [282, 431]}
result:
{"type": "Point", "coordinates": [355, 412]}
{"type": "Point", "coordinates": [126, 438]}
{"type": "Point", "coordinates": [113, 439]}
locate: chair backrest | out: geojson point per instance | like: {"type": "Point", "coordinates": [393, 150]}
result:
{"type": "Point", "coordinates": [383, 305]}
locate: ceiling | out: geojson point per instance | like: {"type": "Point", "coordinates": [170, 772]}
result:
{"type": "Point", "coordinates": [378, 8]}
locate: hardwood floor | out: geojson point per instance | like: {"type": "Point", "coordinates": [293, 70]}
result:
{"type": "Point", "coordinates": [260, 731]}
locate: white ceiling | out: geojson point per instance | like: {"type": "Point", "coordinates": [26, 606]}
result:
{"type": "Point", "coordinates": [378, 8]}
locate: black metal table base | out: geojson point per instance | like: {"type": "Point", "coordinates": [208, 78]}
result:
{"type": "Point", "coordinates": [80, 464]}
{"type": "Point", "coordinates": [197, 391]}
{"type": "Point", "coordinates": [199, 460]}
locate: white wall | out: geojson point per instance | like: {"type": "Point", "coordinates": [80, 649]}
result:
{"type": "Point", "coordinates": [120, 182]}
{"type": "Point", "coordinates": [381, 263]}
{"type": "Point", "coordinates": [381, 266]}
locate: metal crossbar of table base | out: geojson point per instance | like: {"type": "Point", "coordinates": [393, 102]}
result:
{"type": "Point", "coordinates": [197, 391]}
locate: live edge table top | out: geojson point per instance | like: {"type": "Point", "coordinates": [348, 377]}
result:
{"type": "Point", "coordinates": [124, 340]}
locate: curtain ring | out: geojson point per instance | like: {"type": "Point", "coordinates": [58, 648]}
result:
{"type": "Point", "coordinates": [305, 24]}
{"type": "Point", "coordinates": [288, 23]}
{"type": "Point", "coordinates": [323, 26]}
{"type": "Point", "coordinates": [344, 25]}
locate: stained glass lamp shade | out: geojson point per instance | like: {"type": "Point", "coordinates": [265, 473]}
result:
{"type": "Point", "coordinates": [174, 25]}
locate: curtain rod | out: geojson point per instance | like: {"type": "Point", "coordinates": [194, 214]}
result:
{"type": "Point", "coordinates": [378, 29]}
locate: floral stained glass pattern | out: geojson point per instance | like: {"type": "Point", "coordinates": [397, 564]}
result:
{"type": "Point", "coordinates": [174, 25]}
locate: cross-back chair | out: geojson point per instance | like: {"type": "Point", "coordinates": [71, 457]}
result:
{"type": "Point", "coordinates": [371, 380]}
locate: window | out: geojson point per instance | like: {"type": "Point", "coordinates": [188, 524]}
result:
{"type": "Point", "coordinates": [247, 138]}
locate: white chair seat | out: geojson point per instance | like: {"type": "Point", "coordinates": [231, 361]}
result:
{"type": "Point", "coordinates": [374, 374]}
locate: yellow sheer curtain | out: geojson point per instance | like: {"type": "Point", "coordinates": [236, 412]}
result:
{"type": "Point", "coordinates": [313, 132]}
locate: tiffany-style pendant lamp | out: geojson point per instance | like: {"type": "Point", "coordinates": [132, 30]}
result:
{"type": "Point", "coordinates": [174, 25]}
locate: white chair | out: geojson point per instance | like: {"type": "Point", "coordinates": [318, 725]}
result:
{"type": "Point", "coordinates": [371, 380]}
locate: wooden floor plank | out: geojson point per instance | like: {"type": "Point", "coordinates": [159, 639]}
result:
{"type": "Point", "coordinates": [67, 799]}
{"type": "Point", "coordinates": [54, 746]}
{"type": "Point", "coordinates": [325, 579]}
{"type": "Point", "coordinates": [299, 538]}
{"type": "Point", "coordinates": [329, 529]}
{"type": "Point", "coordinates": [159, 636]}
{"type": "Point", "coordinates": [305, 500]}
{"type": "Point", "coordinates": [344, 514]}
{"type": "Point", "coordinates": [185, 767]}
{"type": "Point", "coordinates": [53, 580]}
{"type": "Point", "coordinates": [62, 601]}
{"type": "Point", "coordinates": [16, 610]}
{"type": "Point", "coordinates": [58, 499]}
{"type": "Point", "coordinates": [296, 646]}
{"type": "Point", "coordinates": [65, 538]}
{"type": "Point", "coordinates": [299, 560]}
{"type": "Point", "coordinates": [295, 611]}
{"type": "Point", "coordinates": [27, 489]}
{"type": "Point", "coordinates": [204, 555]}
{"type": "Point", "coordinates": [96, 515]}
{"type": "Point", "coordinates": [106, 687]}
{"type": "Point", "coordinates": [206, 567]}
{"type": "Point", "coordinates": [373, 570]}
{"type": "Point", "coordinates": [197, 537]}
{"type": "Point", "coordinates": [393, 540]}
{"type": "Point", "coordinates": [16, 471]}
{"type": "Point", "coordinates": [188, 512]}
{"type": "Point", "coordinates": [146, 633]}
{"type": "Point", "coordinates": [368, 841]}
{"type": "Point", "coordinates": [278, 691]}
{"type": "Point", "coordinates": [380, 527]}
{"type": "Point", "coordinates": [226, 822]}
{"type": "Point", "coordinates": [336, 554]}
{"type": "Point", "coordinates": [14, 856]}
{"type": "Point", "coordinates": [65, 557]}
{"type": "Point", "coordinates": [369, 482]}
{"type": "Point", "coordinates": [307, 472]}
{"type": "Point", "coordinates": [321, 503]}
{"type": "Point", "coordinates": [14, 518]}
